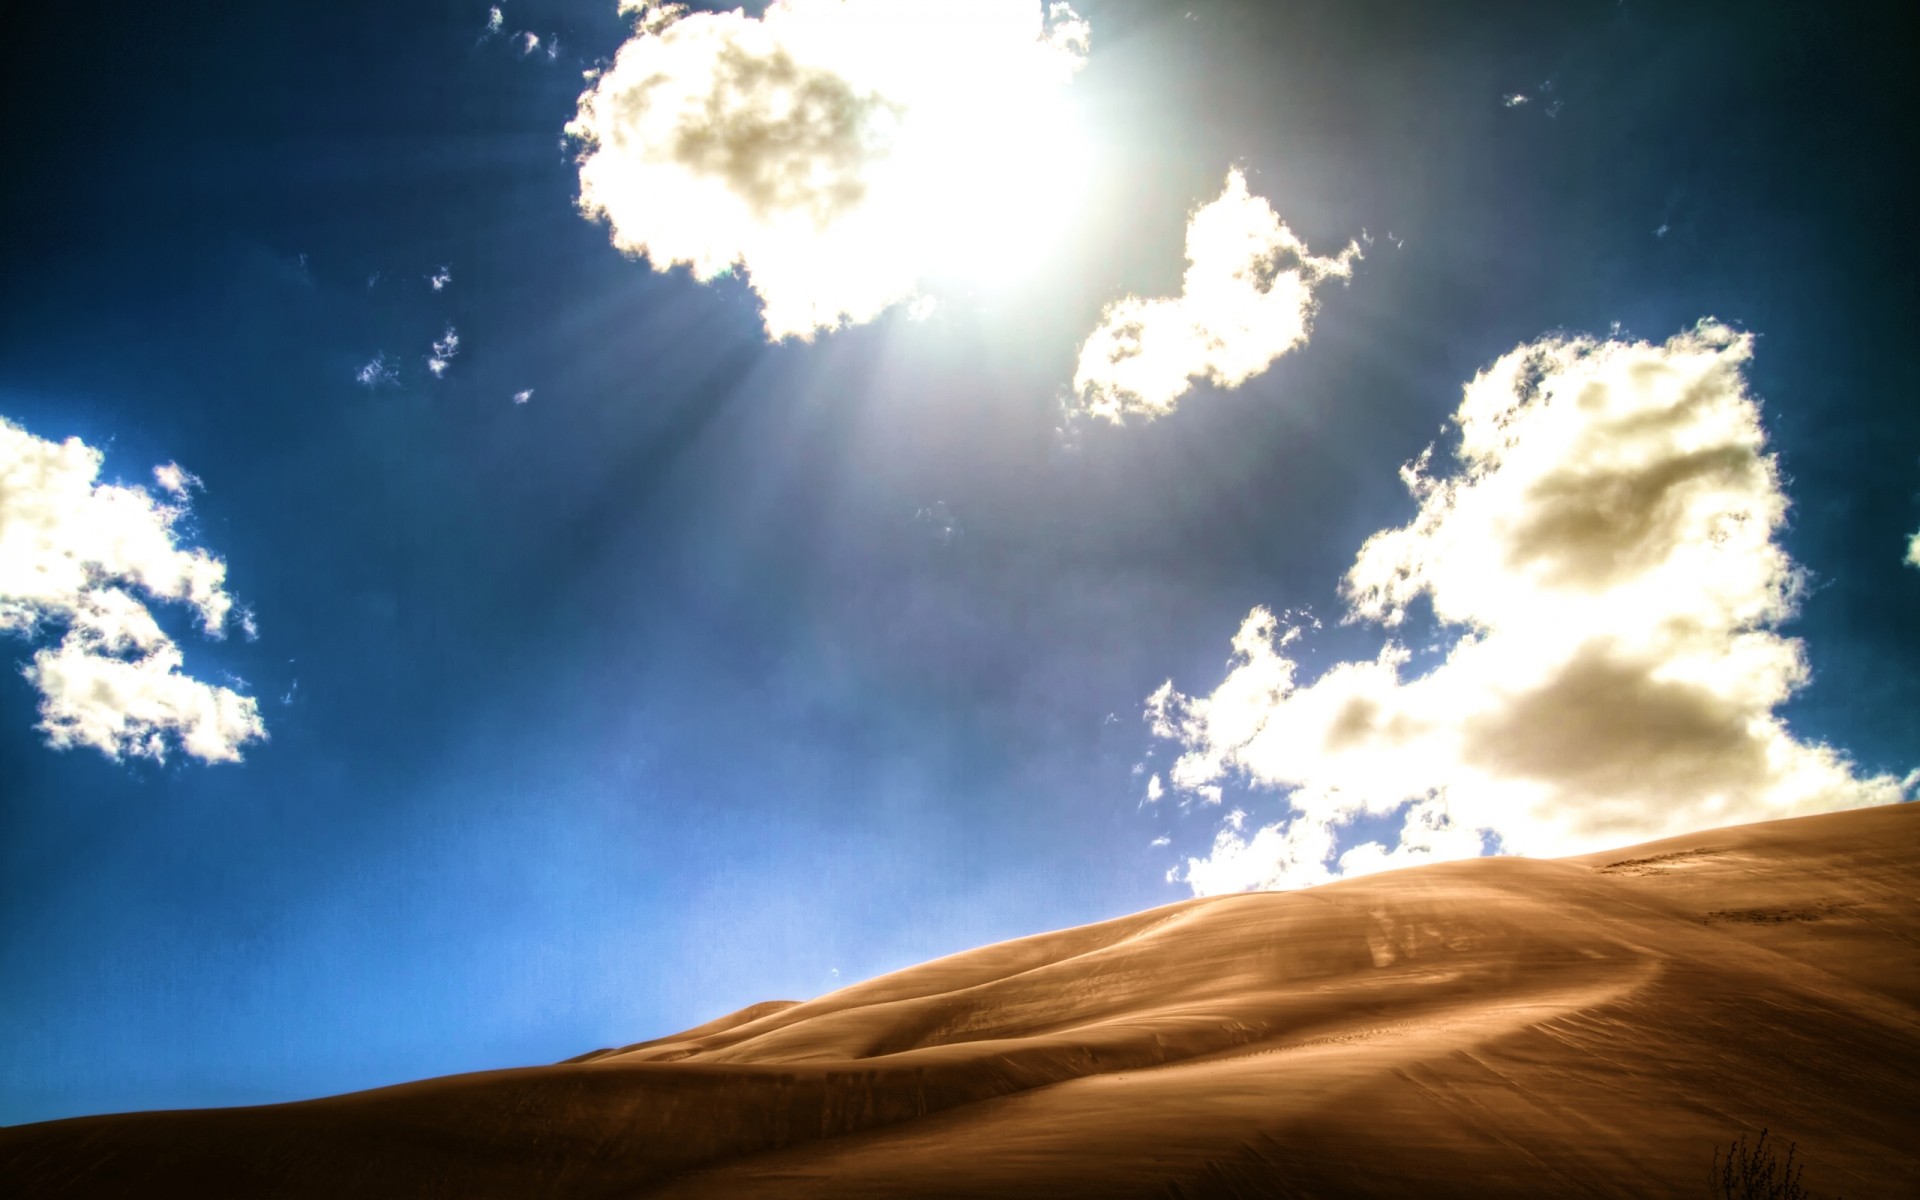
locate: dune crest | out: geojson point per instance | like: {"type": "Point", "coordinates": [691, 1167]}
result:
{"type": "Point", "coordinates": [1495, 1027]}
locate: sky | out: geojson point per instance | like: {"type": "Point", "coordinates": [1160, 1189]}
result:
{"type": "Point", "coordinates": [527, 528]}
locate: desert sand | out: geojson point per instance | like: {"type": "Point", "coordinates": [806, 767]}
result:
{"type": "Point", "coordinates": [1503, 1027]}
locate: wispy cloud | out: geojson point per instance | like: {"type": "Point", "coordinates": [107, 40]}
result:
{"type": "Point", "coordinates": [376, 372]}
{"type": "Point", "coordinates": [88, 557]}
{"type": "Point", "coordinates": [839, 151]}
{"type": "Point", "coordinates": [444, 351]}
{"type": "Point", "coordinates": [439, 280]}
{"type": "Point", "coordinates": [939, 522]}
{"type": "Point", "coordinates": [1603, 566]}
{"type": "Point", "coordinates": [1247, 298]}
{"type": "Point", "coordinates": [522, 397]}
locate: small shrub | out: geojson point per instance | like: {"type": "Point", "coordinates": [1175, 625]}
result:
{"type": "Point", "coordinates": [1757, 1172]}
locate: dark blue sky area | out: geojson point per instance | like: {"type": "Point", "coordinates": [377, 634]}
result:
{"type": "Point", "coordinates": [601, 715]}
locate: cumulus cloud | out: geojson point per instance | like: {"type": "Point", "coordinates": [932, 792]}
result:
{"type": "Point", "coordinates": [439, 280]}
{"type": "Point", "coordinates": [521, 397]}
{"type": "Point", "coordinates": [839, 152]}
{"type": "Point", "coordinates": [1602, 561]}
{"type": "Point", "coordinates": [1246, 299]}
{"type": "Point", "coordinates": [1913, 551]}
{"type": "Point", "coordinates": [89, 558]}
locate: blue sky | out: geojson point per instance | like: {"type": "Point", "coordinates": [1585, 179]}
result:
{"type": "Point", "coordinates": [722, 670]}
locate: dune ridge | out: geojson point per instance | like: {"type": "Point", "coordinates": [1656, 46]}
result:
{"type": "Point", "coordinates": [1496, 1027]}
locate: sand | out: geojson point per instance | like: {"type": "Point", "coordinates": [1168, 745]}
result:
{"type": "Point", "coordinates": [1495, 1028]}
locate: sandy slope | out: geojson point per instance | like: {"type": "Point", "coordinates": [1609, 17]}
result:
{"type": "Point", "coordinates": [1501, 1027]}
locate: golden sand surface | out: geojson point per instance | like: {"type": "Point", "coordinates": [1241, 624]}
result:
{"type": "Point", "coordinates": [1500, 1027]}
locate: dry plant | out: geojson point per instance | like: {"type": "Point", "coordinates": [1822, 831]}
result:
{"type": "Point", "coordinates": [1757, 1172]}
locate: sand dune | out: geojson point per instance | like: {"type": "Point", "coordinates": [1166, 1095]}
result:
{"type": "Point", "coordinates": [1494, 1028]}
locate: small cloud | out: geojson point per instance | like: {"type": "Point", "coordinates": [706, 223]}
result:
{"type": "Point", "coordinates": [1155, 790]}
{"type": "Point", "coordinates": [1246, 299]}
{"type": "Point", "coordinates": [495, 19]}
{"type": "Point", "coordinates": [173, 479]}
{"type": "Point", "coordinates": [939, 523]}
{"type": "Point", "coordinates": [529, 42]}
{"type": "Point", "coordinates": [523, 397]}
{"type": "Point", "coordinates": [1162, 840]}
{"type": "Point", "coordinates": [1515, 99]}
{"type": "Point", "coordinates": [443, 353]}
{"type": "Point", "coordinates": [249, 626]}
{"type": "Point", "coordinates": [1553, 110]}
{"type": "Point", "coordinates": [1913, 551]}
{"type": "Point", "coordinates": [376, 372]}
{"type": "Point", "coordinates": [293, 690]}
{"type": "Point", "coordinates": [373, 280]}
{"type": "Point", "coordinates": [440, 279]}
{"type": "Point", "coordinates": [1662, 230]}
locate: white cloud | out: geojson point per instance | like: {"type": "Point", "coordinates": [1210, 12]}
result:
{"type": "Point", "coordinates": [376, 372]}
{"type": "Point", "coordinates": [1162, 840]}
{"type": "Point", "coordinates": [174, 480]}
{"type": "Point", "coordinates": [1603, 564]}
{"type": "Point", "coordinates": [1514, 99]}
{"type": "Point", "coordinates": [73, 553]}
{"type": "Point", "coordinates": [522, 397]}
{"type": "Point", "coordinates": [1913, 551]}
{"type": "Point", "coordinates": [1155, 790]}
{"type": "Point", "coordinates": [443, 352]}
{"type": "Point", "coordinates": [440, 279]}
{"type": "Point", "coordinates": [840, 151]}
{"type": "Point", "coordinates": [529, 42]}
{"type": "Point", "coordinates": [940, 523]}
{"type": "Point", "coordinates": [1246, 299]}
{"type": "Point", "coordinates": [495, 19]}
